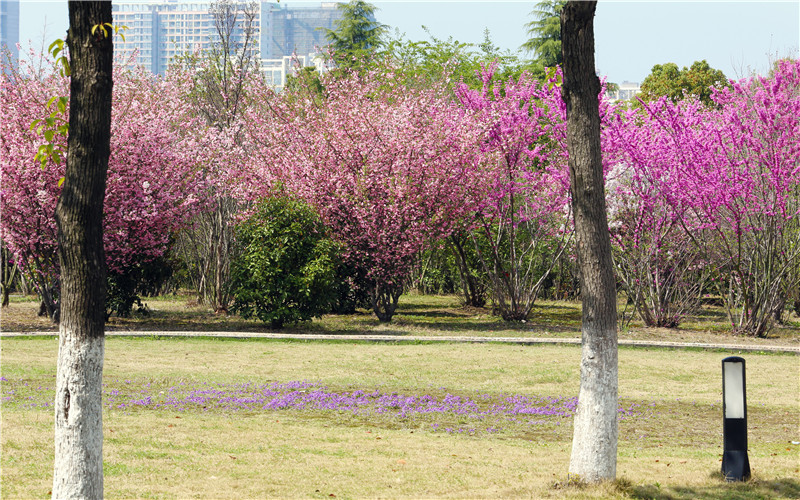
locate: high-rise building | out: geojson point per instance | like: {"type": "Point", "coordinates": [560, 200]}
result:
{"type": "Point", "coordinates": [159, 30]}
{"type": "Point", "coordinates": [298, 30]}
{"type": "Point", "coordinates": [9, 29]}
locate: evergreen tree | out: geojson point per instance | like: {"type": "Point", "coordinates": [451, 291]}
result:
{"type": "Point", "coordinates": [357, 34]}
{"type": "Point", "coordinates": [545, 33]}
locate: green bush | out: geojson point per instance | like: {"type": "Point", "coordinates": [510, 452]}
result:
{"type": "Point", "coordinates": [287, 267]}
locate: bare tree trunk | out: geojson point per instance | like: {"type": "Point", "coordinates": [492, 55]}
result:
{"type": "Point", "coordinates": [207, 247]}
{"type": "Point", "coordinates": [474, 291]}
{"type": "Point", "coordinates": [78, 468]}
{"type": "Point", "coordinates": [594, 444]}
{"type": "Point", "coordinates": [10, 274]}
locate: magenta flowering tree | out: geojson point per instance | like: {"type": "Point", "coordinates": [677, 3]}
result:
{"type": "Point", "coordinates": [752, 199]}
{"type": "Point", "coordinates": [151, 186]}
{"type": "Point", "coordinates": [730, 177]}
{"type": "Point", "coordinates": [387, 167]}
{"type": "Point", "coordinates": [524, 215]}
{"type": "Point", "coordinates": [653, 227]}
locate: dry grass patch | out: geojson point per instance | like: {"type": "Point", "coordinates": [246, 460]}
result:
{"type": "Point", "coordinates": [670, 436]}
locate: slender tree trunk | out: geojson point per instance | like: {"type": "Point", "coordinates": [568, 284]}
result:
{"type": "Point", "coordinates": [594, 444]}
{"type": "Point", "coordinates": [78, 470]}
{"type": "Point", "coordinates": [473, 292]}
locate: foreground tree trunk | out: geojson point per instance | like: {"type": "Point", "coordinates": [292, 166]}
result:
{"type": "Point", "coordinates": [594, 443]}
{"type": "Point", "coordinates": [78, 470]}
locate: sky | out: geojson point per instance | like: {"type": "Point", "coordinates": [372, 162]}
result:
{"type": "Point", "coordinates": [737, 37]}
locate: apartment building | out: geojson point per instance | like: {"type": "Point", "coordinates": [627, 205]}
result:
{"type": "Point", "coordinates": [160, 30]}
{"type": "Point", "coordinates": [9, 29]}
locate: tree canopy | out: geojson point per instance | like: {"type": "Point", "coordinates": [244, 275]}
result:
{"type": "Point", "coordinates": [697, 80]}
{"type": "Point", "coordinates": [435, 60]}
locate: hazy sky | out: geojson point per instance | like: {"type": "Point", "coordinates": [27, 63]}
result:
{"type": "Point", "coordinates": [630, 37]}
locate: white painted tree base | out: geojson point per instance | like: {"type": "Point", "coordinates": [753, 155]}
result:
{"type": "Point", "coordinates": [594, 442]}
{"type": "Point", "coordinates": [78, 468]}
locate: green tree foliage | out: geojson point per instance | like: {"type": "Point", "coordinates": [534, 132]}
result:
{"type": "Point", "coordinates": [545, 33]}
{"type": "Point", "coordinates": [668, 80]}
{"type": "Point", "coordinates": [357, 34]}
{"type": "Point", "coordinates": [286, 271]}
{"type": "Point", "coordinates": [436, 60]}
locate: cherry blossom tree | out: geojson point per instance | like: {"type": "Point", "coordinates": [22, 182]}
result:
{"type": "Point", "coordinates": [28, 193]}
{"type": "Point", "coordinates": [152, 186]}
{"type": "Point", "coordinates": [217, 86]}
{"type": "Point", "coordinates": [388, 167]}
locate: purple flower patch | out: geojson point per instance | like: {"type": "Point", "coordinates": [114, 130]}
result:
{"type": "Point", "coordinates": [438, 412]}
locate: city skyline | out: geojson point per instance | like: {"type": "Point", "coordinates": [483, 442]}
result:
{"type": "Point", "coordinates": [737, 37]}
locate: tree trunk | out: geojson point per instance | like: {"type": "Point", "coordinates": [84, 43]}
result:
{"type": "Point", "coordinates": [78, 470]}
{"type": "Point", "coordinates": [594, 445]}
{"type": "Point", "coordinates": [384, 300]}
{"type": "Point", "coordinates": [473, 292]}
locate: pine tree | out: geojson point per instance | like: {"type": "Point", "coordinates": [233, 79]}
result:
{"type": "Point", "coordinates": [545, 33]}
{"type": "Point", "coordinates": [357, 34]}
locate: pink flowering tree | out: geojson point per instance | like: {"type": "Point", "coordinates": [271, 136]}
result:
{"type": "Point", "coordinates": [524, 215]}
{"type": "Point", "coordinates": [151, 186]}
{"type": "Point", "coordinates": [28, 192]}
{"type": "Point", "coordinates": [388, 168]}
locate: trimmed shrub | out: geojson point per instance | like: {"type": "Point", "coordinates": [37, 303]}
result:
{"type": "Point", "coordinates": [287, 268]}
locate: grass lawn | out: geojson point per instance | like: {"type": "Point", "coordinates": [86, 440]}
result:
{"type": "Point", "coordinates": [201, 417]}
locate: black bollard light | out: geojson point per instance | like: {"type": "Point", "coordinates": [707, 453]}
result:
{"type": "Point", "coordinates": [735, 464]}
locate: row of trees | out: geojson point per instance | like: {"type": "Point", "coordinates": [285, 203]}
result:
{"type": "Point", "coordinates": [706, 199]}
{"type": "Point", "coordinates": [703, 198]}
{"type": "Point", "coordinates": [386, 164]}
{"type": "Point", "coordinates": [467, 173]}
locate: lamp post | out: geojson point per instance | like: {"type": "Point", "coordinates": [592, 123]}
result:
{"type": "Point", "coordinates": [735, 464]}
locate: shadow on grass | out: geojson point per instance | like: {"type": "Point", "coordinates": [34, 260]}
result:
{"type": "Point", "coordinates": [755, 488]}
{"type": "Point", "coordinates": [435, 313]}
{"type": "Point", "coordinates": [487, 326]}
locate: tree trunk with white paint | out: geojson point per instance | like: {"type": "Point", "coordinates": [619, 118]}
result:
{"type": "Point", "coordinates": [78, 465]}
{"type": "Point", "coordinates": [594, 444]}
{"type": "Point", "coordinates": [78, 470]}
